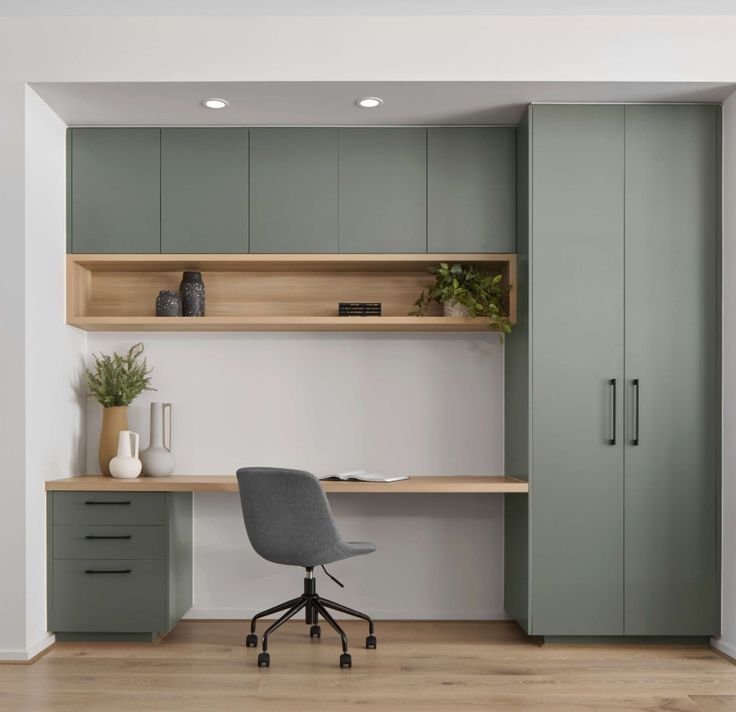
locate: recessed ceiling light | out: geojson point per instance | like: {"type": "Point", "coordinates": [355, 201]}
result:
{"type": "Point", "coordinates": [369, 102]}
{"type": "Point", "coordinates": [215, 103]}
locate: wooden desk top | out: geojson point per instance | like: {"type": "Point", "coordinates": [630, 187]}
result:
{"type": "Point", "coordinates": [459, 484]}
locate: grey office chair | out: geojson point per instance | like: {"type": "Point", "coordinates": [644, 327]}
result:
{"type": "Point", "coordinates": [289, 521]}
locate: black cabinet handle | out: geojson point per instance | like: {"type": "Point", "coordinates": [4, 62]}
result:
{"type": "Point", "coordinates": [635, 385]}
{"type": "Point", "coordinates": [122, 536]}
{"type": "Point", "coordinates": [108, 571]}
{"type": "Point", "coordinates": [90, 501]}
{"type": "Point", "coordinates": [612, 388]}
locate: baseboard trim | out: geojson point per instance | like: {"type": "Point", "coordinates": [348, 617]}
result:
{"type": "Point", "coordinates": [247, 613]}
{"type": "Point", "coordinates": [724, 648]}
{"type": "Point", "coordinates": [31, 654]}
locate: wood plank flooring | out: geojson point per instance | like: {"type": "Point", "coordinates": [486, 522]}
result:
{"type": "Point", "coordinates": [202, 666]}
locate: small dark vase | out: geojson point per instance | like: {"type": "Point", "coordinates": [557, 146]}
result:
{"type": "Point", "coordinates": [168, 303]}
{"type": "Point", "coordinates": [191, 290]}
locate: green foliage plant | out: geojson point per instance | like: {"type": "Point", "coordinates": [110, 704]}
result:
{"type": "Point", "coordinates": [118, 380]}
{"type": "Point", "coordinates": [482, 294]}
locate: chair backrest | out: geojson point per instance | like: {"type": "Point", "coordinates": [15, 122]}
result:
{"type": "Point", "coordinates": [286, 514]}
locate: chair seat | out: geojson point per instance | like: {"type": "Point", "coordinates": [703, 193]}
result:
{"type": "Point", "coordinates": [342, 550]}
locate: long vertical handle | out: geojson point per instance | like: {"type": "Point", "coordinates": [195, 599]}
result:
{"type": "Point", "coordinates": [166, 407]}
{"type": "Point", "coordinates": [612, 389]}
{"type": "Point", "coordinates": [635, 385]}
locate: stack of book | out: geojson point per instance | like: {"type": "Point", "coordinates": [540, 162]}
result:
{"type": "Point", "coordinates": [360, 309]}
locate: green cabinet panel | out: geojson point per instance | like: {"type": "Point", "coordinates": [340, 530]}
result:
{"type": "Point", "coordinates": [293, 190]}
{"type": "Point", "coordinates": [622, 214]}
{"type": "Point", "coordinates": [516, 405]}
{"type": "Point", "coordinates": [577, 302]}
{"type": "Point", "coordinates": [115, 197]}
{"type": "Point", "coordinates": [109, 542]}
{"type": "Point", "coordinates": [120, 595]}
{"type": "Point", "coordinates": [672, 347]}
{"type": "Point", "coordinates": [204, 190]}
{"type": "Point", "coordinates": [109, 586]}
{"type": "Point", "coordinates": [471, 189]}
{"type": "Point", "coordinates": [123, 508]}
{"type": "Point", "coordinates": [383, 190]}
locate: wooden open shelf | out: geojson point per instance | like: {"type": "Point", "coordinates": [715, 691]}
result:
{"type": "Point", "coordinates": [267, 292]}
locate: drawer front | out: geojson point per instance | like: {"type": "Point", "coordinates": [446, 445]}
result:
{"type": "Point", "coordinates": [96, 541]}
{"type": "Point", "coordinates": [109, 508]}
{"type": "Point", "coordinates": [108, 596]}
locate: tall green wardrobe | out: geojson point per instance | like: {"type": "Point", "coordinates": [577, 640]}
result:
{"type": "Point", "coordinates": [613, 373]}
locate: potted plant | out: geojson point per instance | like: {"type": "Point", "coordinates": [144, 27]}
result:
{"type": "Point", "coordinates": [115, 382]}
{"type": "Point", "coordinates": [464, 290]}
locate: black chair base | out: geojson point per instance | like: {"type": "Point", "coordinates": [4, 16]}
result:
{"type": "Point", "coordinates": [314, 606]}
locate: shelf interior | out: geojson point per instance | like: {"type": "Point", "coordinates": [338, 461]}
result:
{"type": "Point", "coordinates": [258, 291]}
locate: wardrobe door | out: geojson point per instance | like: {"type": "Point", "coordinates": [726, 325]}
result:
{"type": "Point", "coordinates": [672, 381]}
{"type": "Point", "coordinates": [577, 370]}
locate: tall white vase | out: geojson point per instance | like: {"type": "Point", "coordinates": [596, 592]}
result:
{"type": "Point", "coordinates": [157, 459]}
{"type": "Point", "coordinates": [126, 465]}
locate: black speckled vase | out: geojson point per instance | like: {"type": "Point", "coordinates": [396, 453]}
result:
{"type": "Point", "coordinates": [168, 303]}
{"type": "Point", "coordinates": [191, 290]}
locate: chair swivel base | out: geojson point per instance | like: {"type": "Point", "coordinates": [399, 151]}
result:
{"type": "Point", "coordinates": [314, 606]}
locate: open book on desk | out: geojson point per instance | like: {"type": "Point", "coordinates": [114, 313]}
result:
{"type": "Point", "coordinates": [362, 476]}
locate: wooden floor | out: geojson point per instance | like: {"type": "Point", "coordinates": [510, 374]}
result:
{"type": "Point", "coordinates": [449, 666]}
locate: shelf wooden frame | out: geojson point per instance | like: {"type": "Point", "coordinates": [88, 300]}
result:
{"type": "Point", "coordinates": [260, 292]}
{"type": "Point", "coordinates": [452, 484]}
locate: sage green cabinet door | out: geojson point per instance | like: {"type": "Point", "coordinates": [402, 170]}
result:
{"type": "Point", "coordinates": [672, 188]}
{"type": "Point", "coordinates": [471, 189]}
{"type": "Point", "coordinates": [293, 190]}
{"type": "Point", "coordinates": [577, 303]}
{"type": "Point", "coordinates": [383, 190]}
{"type": "Point", "coordinates": [115, 198]}
{"type": "Point", "coordinates": [204, 190]}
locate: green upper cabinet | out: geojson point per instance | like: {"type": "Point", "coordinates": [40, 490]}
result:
{"type": "Point", "coordinates": [115, 198]}
{"type": "Point", "coordinates": [204, 190]}
{"type": "Point", "coordinates": [471, 189]}
{"type": "Point", "coordinates": [383, 190]}
{"type": "Point", "coordinates": [293, 190]}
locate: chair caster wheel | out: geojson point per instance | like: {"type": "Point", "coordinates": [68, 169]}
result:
{"type": "Point", "coordinates": [346, 661]}
{"type": "Point", "coordinates": [264, 660]}
{"type": "Point", "coordinates": [371, 642]}
{"type": "Point", "coordinates": [315, 632]}
{"type": "Point", "coordinates": [251, 640]}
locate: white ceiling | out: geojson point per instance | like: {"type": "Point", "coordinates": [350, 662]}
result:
{"type": "Point", "coordinates": [333, 103]}
{"type": "Point", "coordinates": [366, 7]}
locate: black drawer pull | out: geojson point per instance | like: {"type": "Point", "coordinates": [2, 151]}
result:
{"type": "Point", "coordinates": [108, 571]}
{"type": "Point", "coordinates": [122, 536]}
{"type": "Point", "coordinates": [89, 501]}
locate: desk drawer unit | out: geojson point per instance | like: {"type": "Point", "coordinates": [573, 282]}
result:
{"type": "Point", "coordinates": [119, 563]}
{"type": "Point", "coordinates": [110, 508]}
{"type": "Point", "coordinates": [89, 541]}
{"type": "Point", "coordinates": [110, 595]}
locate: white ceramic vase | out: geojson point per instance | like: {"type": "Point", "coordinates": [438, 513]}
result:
{"type": "Point", "coordinates": [157, 458]}
{"type": "Point", "coordinates": [126, 465]}
{"type": "Point", "coordinates": [453, 308]}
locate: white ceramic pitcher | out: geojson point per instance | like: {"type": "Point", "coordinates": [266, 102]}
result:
{"type": "Point", "coordinates": [126, 465]}
{"type": "Point", "coordinates": [157, 458]}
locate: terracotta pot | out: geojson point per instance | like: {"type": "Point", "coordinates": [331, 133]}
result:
{"type": "Point", "coordinates": [114, 420]}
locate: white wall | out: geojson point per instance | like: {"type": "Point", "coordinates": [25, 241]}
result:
{"type": "Point", "coordinates": [293, 48]}
{"type": "Point", "coordinates": [398, 404]}
{"type": "Point", "coordinates": [54, 351]}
